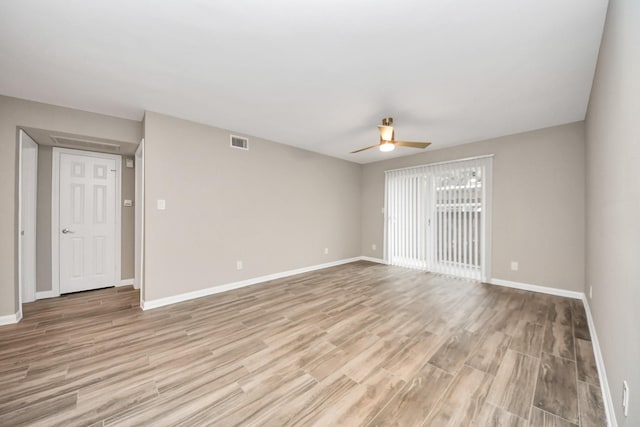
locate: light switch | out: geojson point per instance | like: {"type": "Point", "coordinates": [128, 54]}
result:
{"type": "Point", "coordinates": [128, 203]}
{"type": "Point", "coordinates": [128, 163]}
{"type": "Point", "coordinates": [162, 205]}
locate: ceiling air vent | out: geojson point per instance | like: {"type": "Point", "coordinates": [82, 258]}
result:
{"type": "Point", "coordinates": [87, 144]}
{"type": "Point", "coordinates": [239, 142]}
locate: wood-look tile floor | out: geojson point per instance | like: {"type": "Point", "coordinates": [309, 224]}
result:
{"type": "Point", "coordinates": [359, 344]}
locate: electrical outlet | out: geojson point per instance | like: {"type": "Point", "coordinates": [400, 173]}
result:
{"type": "Point", "coordinates": [239, 265]}
{"type": "Point", "coordinates": [590, 292]}
{"type": "Point", "coordinates": [514, 265]}
{"type": "Point", "coordinates": [326, 251]}
{"type": "Point", "coordinates": [625, 398]}
{"type": "Point", "coordinates": [373, 247]}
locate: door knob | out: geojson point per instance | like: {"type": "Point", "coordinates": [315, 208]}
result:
{"type": "Point", "coordinates": [66, 230]}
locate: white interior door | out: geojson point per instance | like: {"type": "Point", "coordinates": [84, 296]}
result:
{"type": "Point", "coordinates": [87, 222]}
{"type": "Point", "coordinates": [28, 193]}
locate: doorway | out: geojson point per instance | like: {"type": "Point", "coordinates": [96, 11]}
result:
{"type": "Point", "coordinates": [86, 220]}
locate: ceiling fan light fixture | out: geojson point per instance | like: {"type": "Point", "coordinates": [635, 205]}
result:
{"type": "Point", "coordinates": [386, 132]}
{"type": "Point", "coordinates": [387, 139]}
{"type": "Point", "coordinates": [387, 146]}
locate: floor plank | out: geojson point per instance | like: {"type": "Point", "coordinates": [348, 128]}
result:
{"type": "Point", "coordinates": [587, 369]}
{"type": "Point", "coordinates": [558, 337]}
{"type": "Point", "coordinates": [414, 402]}
{"type": "Point", "coordinates": [489, 354]}
{"type": "Point", "coordinates": [580, 323]}
{"type": "Point", "coordinates": [514, 385]}
{"type": "Point", "coordinates": [540, 418]}
{"type": "Point", "coordinates": [462, 403]}
{"type": "Point", "coordinates": [455, 350]}
{"type": "Point", "coordinates": [557, 389]}
{"type": "Point", "coordinates": [365, 401]}
{"type": "Point", "coordinates": [591, 406]}
{"type": "Point", "coordinates": [38, 411]}
{"type": "Point", "coordinates": [528, 338]}
{"type": "Point", "coordinates": [493, 416]}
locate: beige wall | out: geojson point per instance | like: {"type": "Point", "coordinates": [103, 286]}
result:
{"type": "Point", "coordinates": [613, 203]}
{"type": "Point", "coordinates": [538, 203]}
{"type": "Point", "coordinates": [43, 232]}
{"type": "Point", "coordinates": [274, 207]}
{"type": "Point", "coordinates": [14, 113]}
{"type": "Point", "coordinates": [43, 220]}
{"type": "Point", "coordinates": [128, 236]}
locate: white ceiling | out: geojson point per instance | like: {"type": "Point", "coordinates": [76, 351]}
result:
{"type": "Point", "coordinates": [316, 74]}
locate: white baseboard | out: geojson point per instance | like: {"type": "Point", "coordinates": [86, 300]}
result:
{"type": "Point", "coordinates": [125, 282]}
{"type": "Point", "coordinates": [604, 383]}
{"type": "Point", "coordinates": [537, 288]}
{"type": "Point", "coordinates": [161, 302]}
{"type": "Point", "coordinates": [46, 294]}
{"type": "Point", "coordinates": [11, 318]}
{"type": "Point", "coordinates": [371, 259]}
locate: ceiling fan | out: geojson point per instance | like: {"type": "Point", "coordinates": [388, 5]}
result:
{"type": "Point", "coordinates": [387, 138]}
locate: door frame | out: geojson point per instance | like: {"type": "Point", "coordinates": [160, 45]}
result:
{"type": "Point", "coordinates": [24, 294]}
{"type": "Point", "coordinates": [138, 281]}
{"type": "Point", "coordinates": [55, 213]}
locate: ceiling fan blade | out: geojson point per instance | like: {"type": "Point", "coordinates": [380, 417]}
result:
{"type": "Point", "coordinates": [362, 149]}
{"type": "Point", "coordinates": [413, 144]}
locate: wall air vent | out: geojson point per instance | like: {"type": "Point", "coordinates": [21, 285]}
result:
{"type": "Point", "coordinates": [239, 142]}
{"type": "Point", "coordinates": [86, 144]}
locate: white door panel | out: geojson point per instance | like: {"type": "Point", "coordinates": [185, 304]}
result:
{"type": "Point", "coordinates": [87, 222]}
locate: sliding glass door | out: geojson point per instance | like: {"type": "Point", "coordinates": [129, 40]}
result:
{"type": "Point", "coordinates": [437, 217]}
{"type": "Point", "coordinates": [407, 210]}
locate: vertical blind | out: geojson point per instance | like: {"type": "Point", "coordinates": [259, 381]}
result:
{"type": "Point", "coordinates": [437, 217]}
